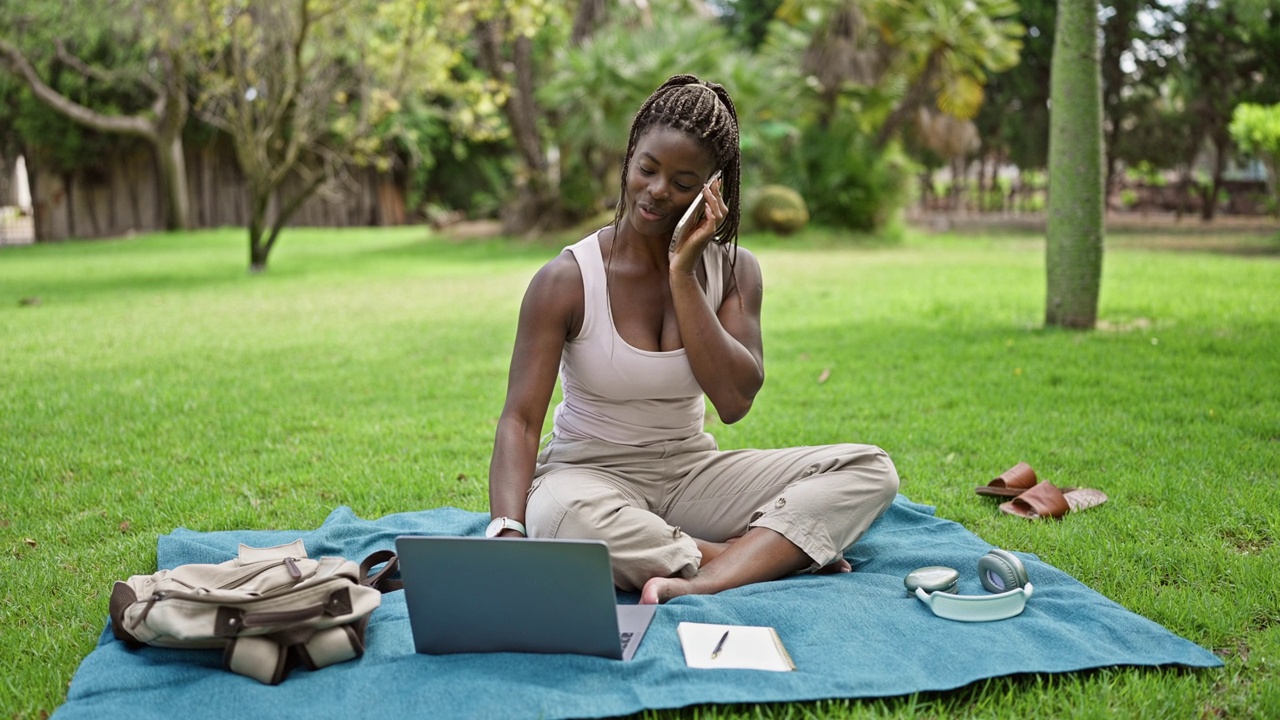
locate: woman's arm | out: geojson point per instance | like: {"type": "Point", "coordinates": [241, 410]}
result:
{"type": "Point", "coordinates": [550, 313]}
{"type": "Point", "coordinates": [723, 344]}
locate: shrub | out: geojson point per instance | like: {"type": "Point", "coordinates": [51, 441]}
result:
{"type": "Point", "coordinates": [850, 183]}
{"type": "Point", "coordinates": [778, 209]}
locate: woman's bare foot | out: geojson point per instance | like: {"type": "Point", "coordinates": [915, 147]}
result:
{"type": "Point", "coordinates": [839, 566]}
{"type": "Point", "coordinates": [762, 554]}
{"type": "Point", "coordinates": [711, 550]}
{"type": "Point", "coordinates": [659, 590]}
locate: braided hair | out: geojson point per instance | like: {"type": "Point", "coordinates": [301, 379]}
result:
{"type": "Point", "coordinates": [705, 111]}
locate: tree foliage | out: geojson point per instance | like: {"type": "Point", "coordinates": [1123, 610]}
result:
{"type": "Point", "coordinates": [791, 132]}
{"type": "Point", "coordinates": [110, 66]}
{"type": "Point", "coordinates": [1174, 72]}
{"type": "Point", "coordinates": [305, 94]}
{"type": "Point", "coordinates": [1014, 120]}
{"type": "Point", "coordinates": [597, 87]}
{"type": "Point", "coordinates": [914, 54]}
{"type": "Point", "coordinates": [1221, 66]}
{"type": "Point", "coordinates": [1256, 129]}
{"type": "Point", "coordinates": [513, 39]}
{"type": "Point", "coordinates": [526, 103]}
{"type": "Point", "coordinates": [748, 20]}
{"type": "Point", "coordinates": [948, 48]}
{"type": "Point", "coordinates": [1128, 79]}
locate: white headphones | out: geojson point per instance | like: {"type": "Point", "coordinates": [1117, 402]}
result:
{"type": "Point", "coordinates": [1001, 573]}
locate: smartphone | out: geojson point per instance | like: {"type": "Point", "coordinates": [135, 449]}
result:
{"type": "Point", "coordinates": [694, 214]}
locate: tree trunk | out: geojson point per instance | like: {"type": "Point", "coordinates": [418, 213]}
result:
{"type": "Point", "coordinates": [263, 234]}
{"type": "Point", "coordinates": [916, 96]}
{"type": "Point", "coordinates": [1117, 38]}
{"type": "Point", "coordinates": [258, 249]}
{"type": "Point", "coordinates": [173, 173]}
{"type": "Point", "coordinates": [1273, 168]}
{"type": "Point", "coordinates": [1209, 208]}
{"type": "Point", "coordinates": [982, 183]}
{"type": "Point", "coordinates": [290, 208]}
{"type": "Point", "coordinates": [172, 112]}
{"type": "Point", "coordinates": [537, 203]}
{"type": "Point", "coordinates": [1076, 221]}
{"type": "Point", "coordinates": [163, 131]}
{"type": "Point", "coordinates": [536, 200]}
{"type": "Point", "coordinates": [589, 16]}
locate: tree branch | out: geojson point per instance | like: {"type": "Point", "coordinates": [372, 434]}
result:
{"type": "Point", "coordinates": [915, 97]}
{"type": "Point", "coordinates": [118, 124]}
{"type": "Point", "coordinates": [293, 205]}
{"type": "Point", "coordinates": [67, 58]}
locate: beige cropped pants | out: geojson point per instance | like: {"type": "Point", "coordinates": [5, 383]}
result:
{"type": "Point", "coordinates": [648, 503]}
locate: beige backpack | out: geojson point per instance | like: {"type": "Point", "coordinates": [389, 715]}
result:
{"type": "Point", "coordinates": [270, 608]}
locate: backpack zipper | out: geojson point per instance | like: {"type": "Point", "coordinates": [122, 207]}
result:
{"type": "Point", "coordinates": [290, 564]}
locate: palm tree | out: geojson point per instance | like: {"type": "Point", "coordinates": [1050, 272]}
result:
{"type": "Point", "coordinates": [841, 50]}
{"type": "Point", "coordinates": [1075, 226]}
{"type": "Point", "coordinates": [598, 85]}
{"type": "Point", "coordinates": [944, 51]}
{"type": "Point", "coordinates": [923, 52]}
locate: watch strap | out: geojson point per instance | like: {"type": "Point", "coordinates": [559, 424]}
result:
{"type": "Point", "coordinates": [497, 525]}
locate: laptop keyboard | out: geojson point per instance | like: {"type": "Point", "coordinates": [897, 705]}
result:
{"type": "Point", "coordinates": [625, 638]}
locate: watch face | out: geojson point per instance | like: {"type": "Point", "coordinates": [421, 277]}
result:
{"type": "Point", "coordinates": [495, 527]}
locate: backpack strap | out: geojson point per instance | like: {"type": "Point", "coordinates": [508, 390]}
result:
{"type": "Point", "coordinates": [269, 658]}
{"type": "Point", "coordinates": [382, 581]}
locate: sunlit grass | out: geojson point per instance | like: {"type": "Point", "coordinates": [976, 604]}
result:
{"type": "Point", "coordinates": [151, 383]}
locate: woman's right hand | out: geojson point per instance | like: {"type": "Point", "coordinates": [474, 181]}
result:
{"type": "Point", "coordinates": [688, 249]}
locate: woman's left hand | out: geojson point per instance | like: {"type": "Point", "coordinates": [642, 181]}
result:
{"type": "Point", "coordinates": [689, 248]}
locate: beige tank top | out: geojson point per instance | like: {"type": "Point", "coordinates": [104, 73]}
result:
{"type": "Point", "coordinates": [618, 393]}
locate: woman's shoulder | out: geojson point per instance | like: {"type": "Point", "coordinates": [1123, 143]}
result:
{"type": "Point", "coordinates": [565, 267]}
{"type": "Point", "coordinates": [556, 294]}
{"type": "Point", "coordinates": [557, 286]}
{"type": "Point", "coordinates": [739, 253]}
{"type": "Point", "coordinates": [738, 259]}
{"type": "Point", "coordinates": [560, 271]}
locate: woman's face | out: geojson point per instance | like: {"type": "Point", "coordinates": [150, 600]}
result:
{"type": "Point", "coordinates": [667, 171]}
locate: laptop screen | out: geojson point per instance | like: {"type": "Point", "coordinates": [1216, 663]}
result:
{"type": "Point", "coordinates": [468, 594]}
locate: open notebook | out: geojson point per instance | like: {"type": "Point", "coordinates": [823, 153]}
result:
{"type": "Point", "coordinates": [738, 647]}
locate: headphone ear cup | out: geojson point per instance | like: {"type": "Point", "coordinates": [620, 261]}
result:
{"type": "Point", "coordinates": [1001, 571]}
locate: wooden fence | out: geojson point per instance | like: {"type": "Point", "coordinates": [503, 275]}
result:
{"type": "Point", "coordinates": [126, 196]}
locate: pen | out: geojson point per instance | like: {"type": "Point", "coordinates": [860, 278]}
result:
{"type": "Point", "coordinates": [720, 645]}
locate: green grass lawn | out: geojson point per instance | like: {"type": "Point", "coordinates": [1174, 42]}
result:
{"type": "Point", "coordinates": [151, 383]}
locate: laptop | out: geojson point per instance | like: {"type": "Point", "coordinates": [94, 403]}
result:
{"type": "Point", "coordinates": [472, 595]}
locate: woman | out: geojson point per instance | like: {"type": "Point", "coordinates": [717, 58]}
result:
{"type": "Point", "coordinates": [639, 333]}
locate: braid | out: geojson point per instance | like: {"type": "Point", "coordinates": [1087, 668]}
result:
{"type": "Point", "coordinates": [705, 111]}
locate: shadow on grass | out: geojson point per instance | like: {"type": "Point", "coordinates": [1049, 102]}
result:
{"type": "Point", "coordinates": [1240, 236]}
{"type": "Point", "coordinates": [204, 260]}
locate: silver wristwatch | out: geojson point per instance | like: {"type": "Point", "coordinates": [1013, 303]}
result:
{"type": "Point", "coordinates": [504, 523]}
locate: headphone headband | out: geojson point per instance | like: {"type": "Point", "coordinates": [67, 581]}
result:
{"type": "Point", "coordinates": [1000, 571]}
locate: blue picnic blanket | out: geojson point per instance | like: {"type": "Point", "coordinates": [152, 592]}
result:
{"type": "Point", "coordinates": [851, 635]}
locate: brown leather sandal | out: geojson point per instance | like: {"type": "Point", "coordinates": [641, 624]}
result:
{"type": "Point", "coordinates": [1011, 483]}
{"type": "Point", "coordinates": [1045, 500]}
